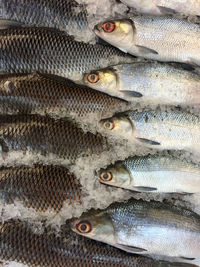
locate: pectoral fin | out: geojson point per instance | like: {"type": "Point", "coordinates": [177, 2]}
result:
{"type": "Point", "coordinates": [194, 62]}
{"type": "Point", "coordinates": [146, 50]}
{"type": "Point", "coordinates": [166, 10]}
{"type": "Point", "coordinates": [131, 249]}
{"type": "Point", "coordinates": [145, 188]}
{"type": "Point", "coordinates": [147, 141]}
{"type": "Point", "coordinates": [5, 24]}
{"type": "Point", "coordinates": [3, 146]}
{"type": "Point", "coordinates": [188, 259]}
{"type": "Point", "coordinates": [131, 93]}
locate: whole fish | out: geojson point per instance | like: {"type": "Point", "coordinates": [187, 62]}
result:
{"type": "Point", "coordinates": [153, 173]}
{"type": "Point", "coordinates": [157, 38]}
{"type": "Point", "coordinates": [39, 187]}
{"type": "Point", "coordinates": [20, 243]}
{"type": "Point", "coordinates": [45, 135]}
{"type": "Point", "coordinates": [161, 7]}
{"type": "Point", "coordinates": [173, 129]}
{"type": "Point", "coordinates": [36, 93]}
{"type": "Point", "coordinates": [65, 15]}
{"type": "Point", "coordinates": [26, 50]}
{"type": "Point", "coordinates": [148, 83]}
{"type": "Point", "coordinates": [145, 228]}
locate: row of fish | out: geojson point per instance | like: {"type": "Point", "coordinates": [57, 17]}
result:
{"type": "Point", "coordinates": [31, 59]}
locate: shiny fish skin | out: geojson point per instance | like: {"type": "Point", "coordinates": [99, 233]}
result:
{"type": "Point", "coordinates": [39, 187]}
{"type": "Point", "coordinates": [149, 83]}
{"type": "Point", "coordinates": [160, 7]}
{"type": "Point", "coordinates": [26, 50]}
{"type": "Point", "coordinates": [146, 228]}
{"type": "Point", "coordinates": [17, 241]}
{"type": "Point", "coordinates": [154, 173]}
{"type": "Point", "coordinates": [36, 93]}
{"type": "Point", "coordinates": [44, 135]}
{"type": "Point", "coordinates": [64, 15]}
{"type": "Point", "coordinates": [175, 130]}
{"type": "Point", "coordinates": [158, 38]}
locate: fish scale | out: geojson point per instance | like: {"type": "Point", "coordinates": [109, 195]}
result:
{"type": "Point", "coordinates": [31, 186]}
{"type": "Point", "coordinates": [27, 50]}
{"type": "Point", "coordinates": [45, 135]}
{"type": "Point", "coordinates": [36, 93]}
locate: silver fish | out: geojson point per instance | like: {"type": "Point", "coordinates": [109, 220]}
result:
{"type": "Point", "coordinates": [148, 83]}
{"type": "Point", "coordinates": [153, 173]}
{"type": "Point", "coordinates": [27, 50]}
{"type": "Point", "coordinates": [161, 7]}
{"type": "Point", "coordinates": [175, 129]}
{"type": "Point", "coordinates": [65, 15]}
{"type": "Point", "coordinates": [145, 228]}
{"type": "Point", "coordinates": [157, 38]}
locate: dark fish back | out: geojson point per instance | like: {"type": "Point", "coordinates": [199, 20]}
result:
{"type": "Point", "coordinates": [36, 93]}
{"type": "Point", "coordinates": [19, 243]}
{"type": "Point", "coordinates": [61, 14]}
{"type": "Point", "coordinates": [45, 135]}
{"type": "Point", "coordinates": [39, 187]}
{"type": "Point", "coordinates": [27, 50]}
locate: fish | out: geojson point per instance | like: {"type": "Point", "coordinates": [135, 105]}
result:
{"type": "Point", "coordinates": [144, 228]}
{"type": "Point", "coordinates": [64, 15]}
{"type": "Point", "coordinates": [43, 94]}
{"type": "Point", "coordinates": [153, 174]}
{"type": "Point", "coordinates": [41, 187]}
{"type": "Point", "coordinates": [44, 50]}
{"type": "Point", "coordinates": [20, 243]}
{"type": "Point", "coordinates": [147, 82]}
{"type": "Point", "coordinates": [155, 128]}
{"type": "Point", "coordinates": [44, 135]}
{"type": "Point", "coordinates": [163, 7]}
{"type": "Point", "coordinates": [166, 39]}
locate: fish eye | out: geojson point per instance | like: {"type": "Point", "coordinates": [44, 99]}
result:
{"type": "Point", "coordinates": [93, 77]}
{"type": "Point", "coordinates": [108, 26]}
{"type": "Point", "coordinates": [84, 227]}
{"type": "Point", "coordinates": [109, 125]}
{"type": "Point", "coordinates": [106, 176]}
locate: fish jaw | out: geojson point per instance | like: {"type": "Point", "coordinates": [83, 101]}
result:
{"type": "Point", "coordinates": [116, 175]}
{"type": "Point", "coordinates": [121, 37]}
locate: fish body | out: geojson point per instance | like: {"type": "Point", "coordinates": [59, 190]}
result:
{"type": "Point", "coordinates": [158, 38]}
{"type": "Point", "coordinates": [148, 83]}
{"type": "Point", "coordinates": [161, 7]}
{"type": "Point", "coordinates": [44, 135]}
{"type": "Point", "coordinates": [39, 187]}
{"type": "Point", "coordinates": [20, 243]}
{"type": "Point", "coordinates": [65, 15]}
{"type": "Point", "coordinates": [173, 129]}
{"type": "Point", "coordinates": [153, 173]}
{"type": "Point", "coordinates": [27, 50]}
{"type": "Point", "coordinates": [145, 228]}
{"type": "Point", "coordinates": [36, 93]}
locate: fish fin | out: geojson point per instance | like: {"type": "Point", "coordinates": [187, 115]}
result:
{"type": "Point", "coordinates": [146, 50]}
{"type": "Point", "coordinates": [166, 10]}
{"type": "Point", "coordinates": [3, 145]}
{"type": "Point", "coordinates": [185, 258]}
{"type": "Point", "coordinates": [131, 249]}
{"type": "Point", "coordinates": [5, 24]}
{"type": "Point", "coordinates": [145, 188]}
{"type": "Point", "coordinates": [147, 141]}
{"type": "Point", "coordinates": [194, 62]}
{"type": "Point", "coordinates": [122, 49]}
{"type": "Point", "coordinates": [186, 66]}
{"type": "Point", "coordinates": [131, 93]}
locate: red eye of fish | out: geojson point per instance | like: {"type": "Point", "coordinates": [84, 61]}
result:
{"type": "Point", "coordinates": [93, 77]}
{"type": "Point", "coordinates": [84, 227]}
{"type": "Point", "coordinates": [109, 125]}
{"type": "Point", "coordinates": [106, 176]}
{"type": "Point", "coordinates": [108, 26]}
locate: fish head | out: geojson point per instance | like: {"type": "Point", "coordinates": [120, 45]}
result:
{"type": "Point", "coordinates": [102, 80]}
{"type": "Point", "coordinates": [118, 126]}
{"type": "Point", "coordinates": [120, 33]}
{"type": "Point", "coordinates": [96, 225]}
{"type": "Point", "coordinates": [116, 175]}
